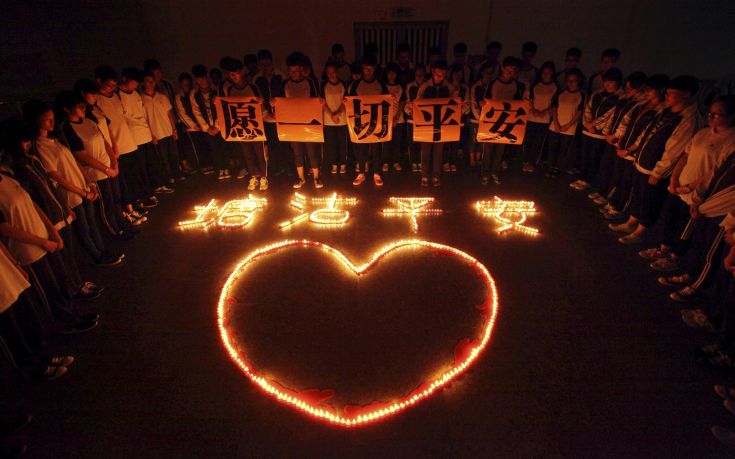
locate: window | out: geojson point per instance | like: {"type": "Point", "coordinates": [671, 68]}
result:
{"type": "Point", "coordinates": [388, 35]}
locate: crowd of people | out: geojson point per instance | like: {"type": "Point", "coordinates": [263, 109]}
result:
{"type": "Point", "coordinates": [83, 172]}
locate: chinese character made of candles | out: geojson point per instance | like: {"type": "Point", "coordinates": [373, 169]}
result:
{"type": "Point", "coordinates": [511, 215]}
{"type": "Point", "coordinates": [234, 214]}
{"type": "Point", "coordinates": [331, 214]}
{"type": "Point", "coordinates": [412, 208]}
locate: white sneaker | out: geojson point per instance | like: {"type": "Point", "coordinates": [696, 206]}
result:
{"type": "Point", "coordinates": [414, 167]}
{"type": "Point", "coordinates": [334, 169]}
{"type": "Point", "coordinates": [377, 180]}
{"type": "Point", "coordinates": [253, 184]}
{"type": "Point", "coordinates": [299, 184]}
{"type": "Point", "coordinates": [263, 183]}
{"type": "Point", "coordinates": [241, 174]}
{"type": "Point", "coordinates": [397, 167]}
{"type": "Point", "coordinates": [594, 195]}
{"type": "Point", "coordinates": [343, 169]}
{"type": "Point", "coordinates": [221, 175]}
{"type": "Point", "coordinates": [445, 167]}
{"type": "Point", "coordinates": [359, 179]}
{"type": "Point", "coordinates": [385, 168]}
{"type": "Point", "coordinates": [227, 174]}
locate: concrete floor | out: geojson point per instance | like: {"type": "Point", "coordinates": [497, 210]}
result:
{"type": "Point", "coordinates": [587, 356]}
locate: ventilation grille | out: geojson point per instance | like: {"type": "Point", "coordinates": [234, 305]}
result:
{"type": "Point", "coordinates": [388, 35]}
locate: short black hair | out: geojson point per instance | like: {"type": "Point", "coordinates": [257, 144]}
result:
{"type": "Point", "coordinates": [611, 52]}
{"type": "Point", "coordinates": [146, 73]}
{"type": "Point", "coordinates": [215, 71]}
{"type": "Point", "coordinates": [131, 73]}
{"type": "Point", "coordinates": [547, 65]}
{"type": "Point", "coordinates": [613, 74]}
{"type": "Point", "coordinates": [658, 81]}
{"type": "Point", "coordinates": [230, 64]}
{"type": "Point", "coordinates": [684, 83]}
{"type": "Point", "coordinates": [184, 76]}
{"type": "Point", "coordinates": [85, 86]}
{"type": "Point", "coordinates": [199, 71]}
{"type": "Point", "coordinates": [338, 48]}
{"type": "Point", "coordinates": [729, 102]}
{"type": "Point", "coordinates": [485, 66]}
{"type": "Point", "coordinates": [105, 72]}
{"type": "Point", "coordinates": [250, 59]}
{"type": "Point", "coordinates": [392, 67]}
{"type": "Point", "coordinates": [369, 59]}
{"type": "Point", "coordinates": [460, 48]}
{"type": "Point", "coordinates": [577, 73]}
{"type": "Point", "coordinates": [456, 69]}
{"type": "Point", "coordinates": [355, 68]}
{"type": "Point", "coordinates": [529, 47]}
{"type": "Point", "coordinates": [434, 51]}
{"type": "Point", "coordinates": [511, 61]}
{"type": "Point", "coordinates": [636, 80]}
{"type": "Point", "coordinates": [66, 100]}
{"type": "Point", "coordinates": [264, 54]}
{"type": "Point", "coordinates": [441, 64]}
{"type": "Point", "coordinates": [494, 45]}
{"type": "Point", "coordinates": [576, 52]}
{"type": "Point", "coordinates": [151, 64]}
{"type": "Point", "coordinates": [32, 109]}
{"type": "Point", "coordinates": [403, 48]}
{"type": "Point", "coordinates": [295, 58]}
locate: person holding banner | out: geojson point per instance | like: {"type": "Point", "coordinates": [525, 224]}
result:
{"type": "Point", "coordinates": [368, 85]}
{"type": "Point", "coordinates": [432, 152]}
{"type": "Point", "coordinates": [335, 120]}
{"type": "Point", "coordinates": [297, 85]}
{"type": "Point", "coordinates": [253, 153]}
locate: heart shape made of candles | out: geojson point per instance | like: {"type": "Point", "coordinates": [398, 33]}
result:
{"type": "Point", "coordinates": [314, 401]}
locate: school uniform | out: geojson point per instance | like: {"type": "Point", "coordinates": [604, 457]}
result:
{"type": "Point", "coordinates": [414, 150]}
{"type": "Point", "coordinates": [540, 95]}
{"type": "Point", "coordinates": [301, 150]}
{"type": "Point", "coordinates": [335, 131]}
{"type": "Point", "coordinates": [432, 153]}
{"type": "Point", "coordinates": [253, 152]}
{"type": "Point", "coordinates": [610, 164]}
{"type": "Point", "coordinates": [192, 144]}
{"type": "Point", "coordinates": [137, 120]}
{"type": "Point", "coordinates": [598, 109]}
{"type": "Point", "coordinates": [202, 106]}
{"type": "Point", "coordinates": [158, 108]}
{"type": "Point", "coordinates": [566, 106]}
{"type": "Point", "coordinates": [492, 154]}
{"type": "Point", "coordinates": [368, 151]}
{"type": "Point", "coordinates": [279, 159]}
{"type": "Point", "coordinates": [394, 149]}
{"type": "Point", "coordinates": [561, 79]}
{"type": "Point", "coordinates": [476, 94]}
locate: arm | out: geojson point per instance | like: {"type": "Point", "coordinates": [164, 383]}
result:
{"type": "Point", "coordinates": [67, 185]}
{"type": "Point", "coordinates": [88, 160]}
{"type": "Point", "coordinates": [203, 125]}
{"type": "Point", "coordinates": [9, 256]}
{"type": "Point", "coordinates": [173, 123]}
{"type": "Point", "coordinates": [183, 116]}
{"type": "Point", "coordinates": [675, 147]}
{"type": "Point", "coordinates": [12, 232]}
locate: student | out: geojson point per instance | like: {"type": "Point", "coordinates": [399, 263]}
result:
{"type": "Point", "coordinates": [571, 61]}
{"type": "Point", "coordinates": [337, 58]}
{"type": "Point", "coordinates": [250, 61]}
{"type": "Point", "coordinates": [134, 183]}
{"type": "Point", "coordinates": [162, 85]}
{"type": "Point", "coordinates": [432, 152]}
{"type": "Point", "coordinates": [335, 119]}
{"type": "Point", "coordinates": [298, 85]}
{"type": "Point", "coordinates": [160, 115]}
{"type": "Point", "coordinates": [455, 151]}
{"type": "Point", "coordinates": [406, 68]}
{"type": "Point", "coordinates": [609, 60]}
{"type": "Point", "coordinates": [269, 81]}
{"type": "Point", "coordinates": [371, 49]}
{"type": "Point", "coordinates": [194, 141]}
{"type": "Point", "coordinates": [433, 55]}
{"type": "Point", "coordinates": [202, 104]}
{"type": "Point", "coordinates": [355, 75]}
{"type": "Point", "coordinates": [634, 123]}
{"type": "Point", "coordinates": [539, 116]}
{"type": "Point", "coordinates": [598, 109]}
{"type": "Point", "coordinates": [633, 94]}
{"type": "Point", "coordinates": [368, 85]}
{"type": "Point", "coordinates": [309, 72]}
{"type": "Point", "coordinates": [253, 153]}
{"type": "Point", "coordinates": [394, 148]}
{"type": "Point", "coordinates": [460, 60]}
{"type": "Point", "coordinates": [707, 151]}
{"type": "Point", "coordinates": [492, 58]}
{"type": "Point", "coordinates": [529, 74]}
{"type": "Point", "coordinates": [476, 94]}
{"type": "Point", "coordinates": [215, 76]}
{"type": "Point", "coordinates": [658, 149]}
{"type": "Point", "coordinates": [412, 90]}
{"type": "Point", "coordinates": [505, 87]}
{"type": "Point", "coordinates": [567, 107]}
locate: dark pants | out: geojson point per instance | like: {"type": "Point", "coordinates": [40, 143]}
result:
{"type": "Point", "coordinates": [620, 184]}
{"type": "Point", "coordinates": [721, 311]}
{"type": "Point", "coordinates": [431, 159]}
{"type": "Point", "coordinates": [254, 155]}
{"type": "Point", "coordinates": [279, 159]}
{"type": "Point", "coordinates": [65, 261]}
{"type": "Point", "coordinates": [606, 171]}
{"type": "Point", "coordinates": [394, 148]}
{"type": "Point", "coordinates": [536, 134]}
{"type": "Point", "coordinates": [187, 148]}
{"type": "Point", "coordinates": [203, 151]}
{"type": "Point", "coordinates": [153, 166]}
{"type": "Point", "coordinates": [676, 217]}
{"type": "Point", "coordinates": [168, 151]}
{"type": "Point", "coordinates": [591, 155]}
{"type": "Point", "coordinates": [218, 150]}
{"type": "Point", "coordinates": [558, 147]}
{"type": "Point", "coordinates": [110, 204]}
{"type": "Point", "coordinates": [87, 230]}
{"type": "Point", "coordinates": [650, 200]}
{"type": "Point", "coordinates": [306, 150]}
{"type": "Point", "coordinates": [492, 158]}
{"type": "Point", "coordinates": [368, 152]}
{"type": "Point", "coordinates": [134, 177]}
{"type": "Point", "coordinates": [335, 145]}
{"type": "Point", "coordinates": [48, 286]}
{"type": "Point", "coordinates": [21, 331]}
{"type": "Point", "coordinates": [414, 148]}
{"type": "Point", "coordinates": [707, 251]}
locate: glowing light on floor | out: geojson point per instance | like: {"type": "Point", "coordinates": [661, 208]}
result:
{"type": "Point", "coordinates": [234, 214]}
{"type": "Point", "coordinates": [511, 215]}
{"type": "Point", "coordinates": [314, 401]}
{"type": "Point", "coordinates": [330, 215]}
{"type": "Point", "coordinates": [412, 208]}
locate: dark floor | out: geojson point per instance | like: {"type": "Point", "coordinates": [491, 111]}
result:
{"type": "Point", "coordinates": [587, 357]}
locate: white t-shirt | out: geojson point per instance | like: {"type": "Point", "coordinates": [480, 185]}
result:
{"type": "Point", "coordinates": [705, 153]}
{"type": "Point", "coordinates": [501, 90]}
{"type": "Point", "coordinates": [157, 108]}
{"type": "Point", "coordinates": [541, 95]}
{"type": "Point", "coordinates": [57, 158]}
{"type": "Point", "coordinates": [112, 108]}
{"type": "Point", "coordinates": [135, 116]}
{"type": "Point", "coordinates": [396, 90]}
{"type": "Point", "coordinates": [18, 210]}
{"type": "Point", "coordinates": [568, 105]}
{"type": "Point", "coordinates": [333, 96]}
{"type": "Point", "coordinates": [88, 132]}
{"type": "Point", "coordinates": [12, 282]}
{"type": "Point", "coordinates": [102, 123]}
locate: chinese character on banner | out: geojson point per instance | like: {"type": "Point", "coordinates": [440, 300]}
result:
{"type": "Point", "coordinates": [503, 121]}
{"type": "Point", "coordinates": [369, 118]}
{"type": "Point", "coordinates": [299, 119]}
{"type": "Point", "coordinates": [240, 119]}
{"type": "Point", "coordinates": [437, 120]}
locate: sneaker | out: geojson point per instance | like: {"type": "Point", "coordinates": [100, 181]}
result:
{"type": "Point", "coordinates": [263, 184]}
{"type": "Point", "coordinates": [555, 173]}
{"type": "Point", "coordinates": [724, 392]}
{"type": "Point", "coordinates": [147, 204]}
{"type": "Point", "coordinates": [93, 286]}
{"type": "Point", "coordinates": [573, 171]}
{"type": "Point", "coordinates": [318, 183]}
{"type": "Point", "coordinates": [85, 293]}
{"type": "Point", "coordinates": [435, 182]}
{"type": "Point", "coordinates": [385, 168]}
{"type": "Point", "coordinates": [299, 183]}
{"type": "Point", "coordinates": [397, 167]}
{"type": "Point", "coordinates": [82, 325]}
{"type": "Point", "coordinates": [630, 239]}
{"type": "Point", "coordinates": [665, 265]}
{"type": "Point", "coordinates": [357, 169]}
{"type": "Point", "coordinates": [138, 216]}
{"type": "Point", "coordinates": [496, 179]}
{"type": "Point", "coordinates": [606, 208]}
{"type": "Point", "coordinates": [600, 201]}
{"type": "Point", "coordinates": [414, 167]}
{"type": "Point", "coordinates": [697, 319]}
{"type": "Point", "coordinates": [445, 168]}
{"type": "Point", "coordinates": [575, 184]}
{"type": "Point", "coordinates": [61, 361]}
{"type": "Point", "coordinates": [685, 295]}
{"type": "Point", "coordinates": [241, 174]}
{"type": "Point", "coordinates": [424, 181]}
{"type": "Point", "coordinates": [221, 175]}
{"type": "Point", "coordinates": [622, 227]}
{"type": "Point", "coordinates": [485, 180]}
{"type": "Point", "coordinates": [582, 185]}
{"type": "Point", "coordinates": [504, 165]}
{"type": "Point", "coordinates": [12, 424]}
{"type": "Point", "coordinates": [163, 189]}
{"type": "Point", "coordinates": [343, 169]}
{"type": "Point", "coordinates": [226, 174]}
{"type": "Point", "coordinates": [253, 183]}
{"type": "Point", "coordinates": [359, 179]}
{"type": "Point", "coordinates": [594, 195]}
{"type": "Point", "coordinates": [530, 169]}
{"type": "Point", "coordinates": [131, 220]}
{"type": "Point", "coordinates": [453, 167]}
{"type": "Point", "coordinates": [675, 281]}
{"type": "Point", "coordinates": [108, 259]}
{"type": "Point", "coordinates": [729, 406]}
{"type": "Point", "coordinates": [49, 373]}
{"type": "Point", "coordinates": [334, 169]}
{"type": "Point", "coordinates": [377, 180]}
{"type": "Point", "coordinates": [614, 215]}
{"type": "Point", "coordinates": [654, 253]}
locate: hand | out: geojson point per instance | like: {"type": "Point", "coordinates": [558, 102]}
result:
{"type": "Point", "coordinates": [154, 140]}
{"type": "Point", "coordinates": [557, 126]}
{"type": "Point", "coordinates": [729, 261]}
{"type": "Point", "coordinates": [56, 237]}
{"type": "Point", "coordinates": [622, 153]}
{"type": "Point", "coordinates": [176, 134]}
{"type": "Point", "coordinates": [49, 246]}
{"type": "Point", "coordinates": [335, 117]}
{"type": "Point", "coordinates": [610, 139]}
{"type": "Point", "coordinates": [212, 130]}
{"type": "Point", "coordinates": [694, 211]}
{"type": "Point", "coordinates": [112, 172]}
{"type": "Point", "coordinates": [652, 180]}
{"type": "Point", "coordinates": [730, 237]}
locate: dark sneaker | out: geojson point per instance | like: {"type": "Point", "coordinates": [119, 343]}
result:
{"type": "Point", "coordinates": [109, 259]}
{"type": "Point", "coordinates": [675, 281]}
{"type": "Point", "coordinates": [61, 361]}
{"type": "Point", "coordinates": [13, 451]}
{"type": "Point", "coordinates": [685, 295]}
{"type": "Point", "coordinates": [80, 326]}
{"type": "Point", "coordinates": [49, 373]}
{"type": "Point", "coordinates": [86, 293]}
{"type": "Point", "coordinates": [12, 424]}
{"type": "Point", "coordinates": [725, 436]}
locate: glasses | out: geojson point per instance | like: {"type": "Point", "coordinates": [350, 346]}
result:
{"type": "Point", "coordinates": [716, 115]}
